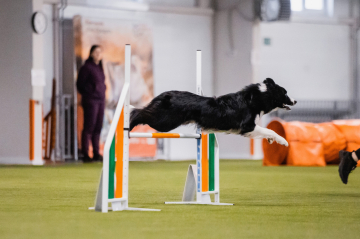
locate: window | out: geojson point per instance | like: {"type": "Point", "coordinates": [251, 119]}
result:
{"type": "Point", "coordinates": [297, 5]}
{"type": "Point", "coordinates": [314, 4]}
{"type": "Point", "coordinates": [312, 8]}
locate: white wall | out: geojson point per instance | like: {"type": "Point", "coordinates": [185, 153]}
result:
{"type": "Point", "coordinates": [309, 56]}
{"type": "Point", "coordinates": [310, 60]}
{"type": "Point", "coordinates": [176, 39]}
{"type": "Point", "coordinates": [233, 71]}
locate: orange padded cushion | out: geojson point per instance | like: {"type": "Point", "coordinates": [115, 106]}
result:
{"type": "Point", "coordinates": [305, 144]}
{"type": "Point", "coordinates": [333, 141]}
{"type": "Point", "coordinates": [305, 154]}
{"type": "Point", "coordinates": [312, 144]}
{"type": "Point", "coordinates": [351, 131]}
{"type": "Point", "coordinates": [275, 154]}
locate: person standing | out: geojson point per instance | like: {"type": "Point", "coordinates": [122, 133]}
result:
{"type": "Point", "coordinates": [91, 86]}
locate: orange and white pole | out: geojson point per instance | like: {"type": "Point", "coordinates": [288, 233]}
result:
{"type": "Point", "coordinates": [36, 125]}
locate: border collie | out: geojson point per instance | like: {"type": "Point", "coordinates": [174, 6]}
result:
{"type": "Point", "coordinates": [235, 113]}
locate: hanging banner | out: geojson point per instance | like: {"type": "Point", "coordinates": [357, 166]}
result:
{"type": "Point", "coordinates": [112, 35]}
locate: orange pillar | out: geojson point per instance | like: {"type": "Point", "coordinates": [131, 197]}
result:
{"type": "Point", "coordinates": [204, 163]}
{"type": "Point", "coordinates": [119, 137]}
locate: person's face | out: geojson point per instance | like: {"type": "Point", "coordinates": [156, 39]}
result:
{"type": "Point", "coordinates": [97, 55]}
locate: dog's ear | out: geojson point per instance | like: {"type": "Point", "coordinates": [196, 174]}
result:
{"type": "Point", "coordinates": [269, 81]}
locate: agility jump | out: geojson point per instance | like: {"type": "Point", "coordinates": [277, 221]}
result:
{"type": "Point", "coordinates": [114, 182]}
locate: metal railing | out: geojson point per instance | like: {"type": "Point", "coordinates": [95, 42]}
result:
{"type": "Point", "coordinates": [67, 127]}
{"type": "Point", "coordinates": [320, 111]}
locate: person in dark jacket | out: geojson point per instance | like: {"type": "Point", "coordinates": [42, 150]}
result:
{"type": "Point", "coordinates": [91, 86]}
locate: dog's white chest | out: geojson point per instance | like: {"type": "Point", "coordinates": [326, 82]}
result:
{"type": "Point", "coordinates": [258, 117]}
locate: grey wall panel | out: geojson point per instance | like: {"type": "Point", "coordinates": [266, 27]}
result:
{"type": "Point", "coordinates": [15, 77]}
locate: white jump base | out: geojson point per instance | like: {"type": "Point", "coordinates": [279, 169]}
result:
{"type": "Point", "coordinates": [202, 203]}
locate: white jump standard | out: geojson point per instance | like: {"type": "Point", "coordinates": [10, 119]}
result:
{"type": "Point", "coordinates": [205, 174]}
{"type": "Point", "coordinates": [114, 182]}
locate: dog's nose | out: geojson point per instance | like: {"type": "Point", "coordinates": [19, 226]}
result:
{"type": "Point", "coordinates": [295, 102]}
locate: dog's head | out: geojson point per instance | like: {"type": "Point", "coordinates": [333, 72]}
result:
{"type": "Point", "coordinates": [276, 95]}
{"type": "Point", "coordinates": [268, 96]}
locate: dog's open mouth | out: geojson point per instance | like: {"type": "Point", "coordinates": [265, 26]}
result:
{"type": "Point", "coordinates": [286, 107]}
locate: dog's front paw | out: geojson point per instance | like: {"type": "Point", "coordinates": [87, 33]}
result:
{"type": "Point", "coordinates": [282, 141]}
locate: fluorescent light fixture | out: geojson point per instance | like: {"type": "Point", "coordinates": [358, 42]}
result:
{"type": "Point", "coordinates": [124, 5]}
{"type": "Point", "coordinates": [296, 5]}
{"type": "Point", "coordinates": [314, 4]}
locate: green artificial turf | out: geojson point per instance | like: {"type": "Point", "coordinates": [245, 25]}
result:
{"type": "Point", "coordinates": [270, 202]}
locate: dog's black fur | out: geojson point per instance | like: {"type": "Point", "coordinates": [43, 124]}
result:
{"type": "Point", "coordinates": [234, 113]}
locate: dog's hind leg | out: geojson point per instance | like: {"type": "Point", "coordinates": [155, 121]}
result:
{"type": "Point", "coordinates": [163, 125]}
{"type": "Point", "coordinates": [135, 118]}
{"type": "Point", "coordinates": [156, 120]}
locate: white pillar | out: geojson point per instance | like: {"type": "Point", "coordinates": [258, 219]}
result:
{"type": "Point", "coordinates": [126, 125]}
{"type": "Point", "coordinates": [38, 81]}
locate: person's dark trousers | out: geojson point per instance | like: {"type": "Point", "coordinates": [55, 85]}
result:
{"type": "Point", "coordinates": [93, 120]}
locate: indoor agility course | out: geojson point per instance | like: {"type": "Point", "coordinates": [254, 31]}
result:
{"type": "Point", "coordinates": [73, 71]}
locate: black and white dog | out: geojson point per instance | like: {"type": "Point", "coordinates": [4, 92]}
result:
{"type": "Point", "coordinates": [235, 113]}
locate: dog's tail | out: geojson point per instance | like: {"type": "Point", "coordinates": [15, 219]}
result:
{"type": "Point", "coordinates": [135, 118]}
